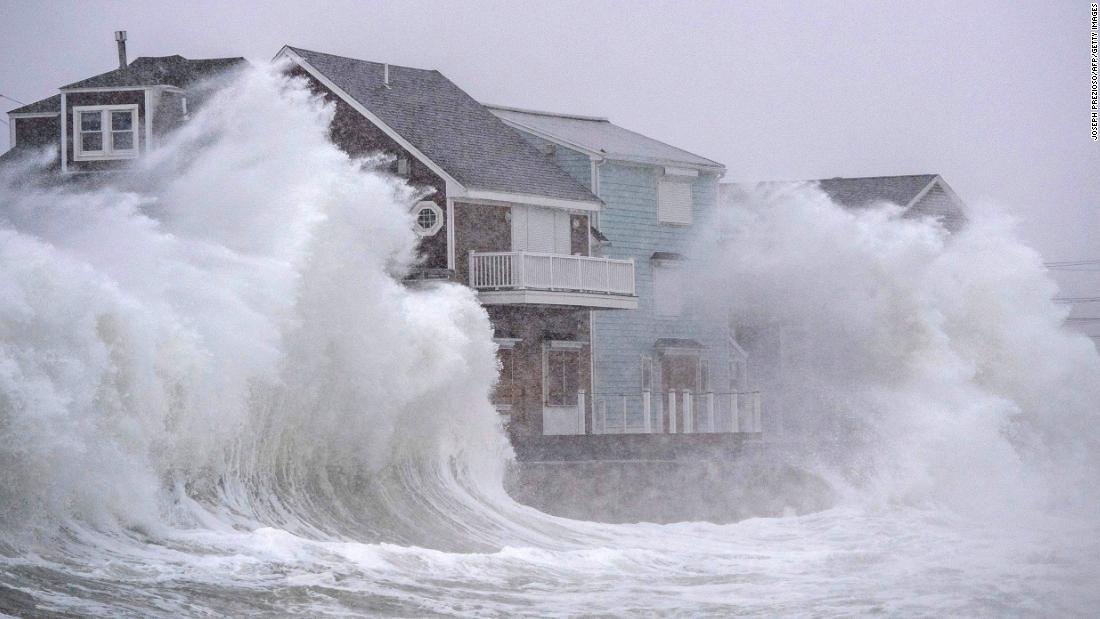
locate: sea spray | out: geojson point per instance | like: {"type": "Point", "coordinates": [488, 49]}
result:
{"type": "Point", "coordinates": [218, 398]}
{"type": "Point", "coordinates": [229, 316]}
{"type": "Point", "coordinates": [938, 359]}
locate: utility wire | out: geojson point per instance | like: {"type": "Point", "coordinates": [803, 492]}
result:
{"type": "Point", "coordinates": [11, 99]}
{"type": "Point", "coordinates": [1071, 263]}
{"type": "Point", "coordinates": [1084, 319]}
{"type": "Point", "coordinates": [1074, 300]}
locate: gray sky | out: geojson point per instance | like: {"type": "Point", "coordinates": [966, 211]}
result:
{"type": "Point", "coordinates": [993, 96]}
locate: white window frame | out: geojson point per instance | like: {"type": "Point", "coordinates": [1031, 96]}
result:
{"type": "Point", "coordinates": [436, 227]}
{"type": "Point", "coordinates": [568, 347]}
{"type": "Point", "coordinates": [106, 135]}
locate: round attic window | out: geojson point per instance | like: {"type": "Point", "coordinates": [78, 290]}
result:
{"type": "Point", "coordinates": [429, 218]}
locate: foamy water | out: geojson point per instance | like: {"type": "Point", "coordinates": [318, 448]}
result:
{"type": "Point", "coordinates": [216, 398]}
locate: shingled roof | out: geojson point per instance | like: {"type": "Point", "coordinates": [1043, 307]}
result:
{"type": "Point", "coordinates": [159, 71]}
{"type": "Point", "coordinates": [42, 106]}
{"type": "Point", "coordinates": [599, 136]}
{"type": "Point", "coordinates": [864, 191]}
{"type": "Point", "coordinates": [448, 126]}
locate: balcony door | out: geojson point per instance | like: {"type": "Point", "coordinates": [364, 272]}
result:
{"type": "Point", "coordinates": [542, 230]}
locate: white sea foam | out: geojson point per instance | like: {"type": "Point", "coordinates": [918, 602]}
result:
{"type": "Point", "coordinates": [216, 397]}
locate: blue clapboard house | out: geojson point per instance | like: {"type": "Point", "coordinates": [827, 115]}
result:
{"type": "Point", "coordinates": [664, 367]}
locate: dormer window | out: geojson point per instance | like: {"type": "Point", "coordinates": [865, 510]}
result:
{"type": "Point", "coordinates": [105, 132]}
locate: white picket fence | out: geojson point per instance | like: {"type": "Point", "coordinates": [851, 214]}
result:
{"type": "Point", "coordinates": [677, 412]}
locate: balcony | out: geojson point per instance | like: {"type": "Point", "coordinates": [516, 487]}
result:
{"type": "Point", "coordinates": [519, 277]}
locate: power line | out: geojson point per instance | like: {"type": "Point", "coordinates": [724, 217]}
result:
{"type": "Point", "coordinates": [1084, 319]}
{"type": "Point", "coordinates": [1071, 263]}
{"type": "Point", "coordinates": [11, 99]}
{"type": "Point", "coordinates": [1074, 300]}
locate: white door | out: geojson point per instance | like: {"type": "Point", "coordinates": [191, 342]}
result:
{"type": "Point", "coordinates": [543, 230]}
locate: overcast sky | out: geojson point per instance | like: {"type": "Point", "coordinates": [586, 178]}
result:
{"type": "Point", "coordinates": [992, 96]}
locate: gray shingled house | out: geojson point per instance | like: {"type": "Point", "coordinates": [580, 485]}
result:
{"type": "Point", "coordinates": [100, 123]}
{"type": "Point", "coordinates": [496, 215]}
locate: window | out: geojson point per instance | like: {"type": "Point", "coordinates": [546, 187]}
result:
{"type": "Point", "coordinates": [402, 166]}
{"type": "Point", "coordinates": [502, 395]}
{"type": "Point", "coordinates": [105, 132]}
{"type": "Point", "coordinates": [668, 297]}
{"type": "Point", "coordinates": [562, 382]}
{"type": "Point", "coordinates": [674, 202]}
{"type": "Point", "coordinates": [429, 218]}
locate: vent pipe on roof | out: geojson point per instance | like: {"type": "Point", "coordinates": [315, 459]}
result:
{"type": "Point", "coordinates": [386, 75]}
{"type": "Point", "coordinates": [120, 37]}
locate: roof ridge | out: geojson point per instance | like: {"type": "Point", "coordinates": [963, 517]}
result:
{"type": "Point", "coordinates": [508, 108]}
{"type": "Point", "coordinates": [392, 65]}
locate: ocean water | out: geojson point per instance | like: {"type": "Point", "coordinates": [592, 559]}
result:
{"type": "Point", "coordinates": [217, 399]}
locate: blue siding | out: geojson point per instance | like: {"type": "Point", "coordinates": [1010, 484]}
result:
{"type": "Point", "coordinates": [621, 338]}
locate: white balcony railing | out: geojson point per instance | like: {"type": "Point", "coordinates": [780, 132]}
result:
{"type": "Point", "coordinates": [520, 270]}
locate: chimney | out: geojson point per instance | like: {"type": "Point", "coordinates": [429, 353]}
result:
{"type": "Point", "coordinates": [386, 75]}
{"type": "Point", "coordinates": [120, 37]}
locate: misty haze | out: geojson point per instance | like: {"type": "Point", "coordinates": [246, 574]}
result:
{"type": "Point", "coordinates": [549, 309]}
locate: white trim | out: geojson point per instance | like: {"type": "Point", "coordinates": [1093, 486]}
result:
{"type": "Point", "coordinates": [434, 208]}
{"type": "Point", "coordinates": [566, 344]}
{"type": "Point", "coordinates": [167, 87]}
{"type": "Point", "coordinates": [450, 232]}
{"type": "Point", "coordinates": [491, 197]}
{"type": "Point", "coordinates": [595, 300]}
{"type": "Point", "coordinates": [148, 119]}
{"type": "Point", "coordinates": [949, 191]}
{"type": "Point", "coordinates": [507, 343]}
{"type": "Point", "coordinates": [11, 135]}
{"type": "Point", "coordinates": [286, 52]}
{"type": "Point", "coordinates": [921, 193]}
{"type": "Point", "coordinates": [107, 153]}
{"type": "Point", "coordinates": [32, 114]}
{"type": "Point", "coordinates": [64, 135]}
{"type": "Point", "coordinates": [521, 110]}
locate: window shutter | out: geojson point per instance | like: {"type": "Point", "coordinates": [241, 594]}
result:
{"type": "Point", "coordinates": [540, 230]}
{"type": "Point", "coordinates": [674, 202]}
{"type": "Point", "coordinates": [519, 228]}
{"type": "Point", "coordinates": [563, 233]}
